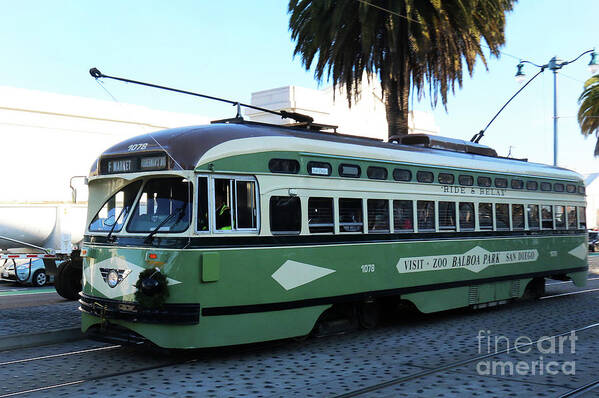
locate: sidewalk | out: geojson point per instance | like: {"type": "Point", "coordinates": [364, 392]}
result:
{"type": "Point", "coordinates": [37, 318]}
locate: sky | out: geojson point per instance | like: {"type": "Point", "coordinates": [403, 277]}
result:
{"type": "Point", "coordinates": [233, 48]}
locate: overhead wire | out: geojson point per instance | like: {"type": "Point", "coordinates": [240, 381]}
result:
{"type": "Point", "coordinates": [480, 134]}
{"type": "Point", "coordinates": [418, 22]}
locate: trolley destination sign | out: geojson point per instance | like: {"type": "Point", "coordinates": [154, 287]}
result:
{"type": "Point", "coordinates": [474, 260]}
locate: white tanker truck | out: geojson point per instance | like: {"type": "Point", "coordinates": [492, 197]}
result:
{"type": "Point", "coordinates": [47, 139]}
{"type": "Point", "coordinates": [45, 231]}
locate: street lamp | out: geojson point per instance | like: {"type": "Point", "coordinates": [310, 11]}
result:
{"type": "Point", "coordinates": [594, 64]}
{"type": "Point", "coordinates": [555, 64]}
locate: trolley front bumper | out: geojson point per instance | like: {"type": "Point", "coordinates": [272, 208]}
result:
{"type": "Point", "coordinates": [173, 314]}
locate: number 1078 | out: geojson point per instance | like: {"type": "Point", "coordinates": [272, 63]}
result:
{"type": "Point", "coordinates": [367, 268]}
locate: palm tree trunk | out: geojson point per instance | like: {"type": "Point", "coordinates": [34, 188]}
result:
{"type": "Point", "coordinates": [396, 103]}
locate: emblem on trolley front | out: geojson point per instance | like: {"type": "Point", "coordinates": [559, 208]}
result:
{"type": "Point", "coordinates": [113, 277]}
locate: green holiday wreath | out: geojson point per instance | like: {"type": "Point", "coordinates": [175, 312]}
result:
{"type": "Point", "coordinates": [158, 285]}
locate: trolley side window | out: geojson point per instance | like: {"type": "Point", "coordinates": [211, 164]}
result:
{"type": "Point", "coordinates": [485, 215]}
{"type": "Point", "coordinates": [402, 175]}
{"type": "Point", "coordinates": [285, 215]}
{"type": "Point", "coordinates": [349, 170]}
{"type": "Point", "coordinates": [501, 182]}
{"type": "Point", "coordinates": [425, 176]}
{"type": "Point", "coordinates": [376, 173]}
{"type": "Point", "coordinates": [350, 215]}
{"type": "Point", "coordinates": [165, 203]}
{"type": "Point", "coordinates": [466, 216]}
{"type": "Point", "coordinates": [445, 178]}
{"type": "Point", "coordinates": [223, 203]}
{"type": "Point", "coordinates": [572, 220]}
{"type": "Point", "coordinates": [447, 216]}
{"type": "Point", "coordinates": [245, 205]}
{"type": "Point", "coordinates": [533, 216]}
{"type": "Point", "coordinates": [403, 215]}
{"type": "Point", "coordinates": [378, 215]}
{"type": "Point", "coordinates": [203, 204]}
{"type": "Point", "coordinates": [560, 217]}
{"type": "Point", "coordinates": [113, 214]}
{"type": "Point", "coordinates": [518, 216]}
{"type": "Point", "coordinates": [466, 180]}
{"type": "Point", "coordinates": [426, 215]}
{"type": "Point", "coordinates": [320, 215]}
{"type": "Point", "coordinates": [517, 184]}
{"type": "Point", "coordinates": [502, 216]}
{"type": "Point", "coordinates": [235, 206]}
{"type": "Point", "coordinates": [546, 217]}
{"type": "Point", "coordinates": [483, 181]}
{"type": "Point", "coordinates": [583, 217]}
{"type": "Point", "coordinates": [286, 166]}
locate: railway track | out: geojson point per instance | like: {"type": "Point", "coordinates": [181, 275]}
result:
{"type": "Point", "coordinates": [418, 375]}
{"type": "Point", "coordinates": [188, 358]}
{"type": "Point", "coordinates": [170, 359]}
{"type": "Point", "coordinates": [457, 364]}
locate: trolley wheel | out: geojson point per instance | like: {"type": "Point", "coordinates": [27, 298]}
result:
{"type": "Point", "coordinates": [39, 278]}
{"type": "Point", "coordinates": [535, 289]}
{"type": "Point", "coordinates": [68, 280]}
{"type": "Point", "coordinates": [369, 314]}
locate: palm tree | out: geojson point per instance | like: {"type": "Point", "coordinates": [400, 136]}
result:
{"type": "Point", "coordinates": [588, 114]}
{"type": "Point", "coordinates": [407, 43]}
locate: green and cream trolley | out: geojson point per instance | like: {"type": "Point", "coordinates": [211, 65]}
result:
{"type": "Point", "coordinates": [239, 232]}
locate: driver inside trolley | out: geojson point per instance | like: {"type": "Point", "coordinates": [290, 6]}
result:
{"type": "Point", "coordinates": [222, 208]}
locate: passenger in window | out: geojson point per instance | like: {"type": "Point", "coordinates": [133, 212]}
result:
{"type": "Point", "coordinates": [405, 220]}
{"type": "Point", "coordinates": [223, 211]}
{"type": "Point", "coordinates": [353, 216]}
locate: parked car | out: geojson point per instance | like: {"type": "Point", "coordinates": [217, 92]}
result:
{"type": "Point", "coordinates": [593, 241]}
{"type": "Point", "coordinates": [36, 276]}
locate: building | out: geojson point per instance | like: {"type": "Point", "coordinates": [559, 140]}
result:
{"type": "Point", "coordinates": [366, 117]}
{"type": "Point", "coordinates": [47, 138]}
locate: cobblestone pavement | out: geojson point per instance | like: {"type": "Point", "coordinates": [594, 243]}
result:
{"type": "Point", "coordinates": [425, 355]}
{"type": "Point", "coordinates": [39, 318]}
{"type": "Point", "coordinates": [27, 309]}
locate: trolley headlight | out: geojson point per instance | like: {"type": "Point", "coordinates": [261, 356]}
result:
{"type": "Point", "coordinates": [113, 278]}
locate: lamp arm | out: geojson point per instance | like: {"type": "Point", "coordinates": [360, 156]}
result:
{"type": "Point", "coordinates": [576, 59]}
{"type": "Point", "coordinates": [532, 63]}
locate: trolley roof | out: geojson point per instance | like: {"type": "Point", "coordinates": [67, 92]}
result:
{"type": "Point", "coordinates": [193, 146]}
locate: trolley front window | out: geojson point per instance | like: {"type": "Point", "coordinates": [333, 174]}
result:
{"type": "Point", "coordinates": [165, 203]}
{"type": "Point", "coordinates": [113, 214]}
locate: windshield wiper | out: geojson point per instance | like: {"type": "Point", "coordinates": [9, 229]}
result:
{"type": "Point", "coordinates": [116, 220]}
{"type": "Point", "coordinates": [178, 211]}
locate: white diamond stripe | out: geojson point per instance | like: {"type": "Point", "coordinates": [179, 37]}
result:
{"type": "Point", "coordinates": [579, 251]}
{"type": "Point", "coordinates": [293, 274]}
